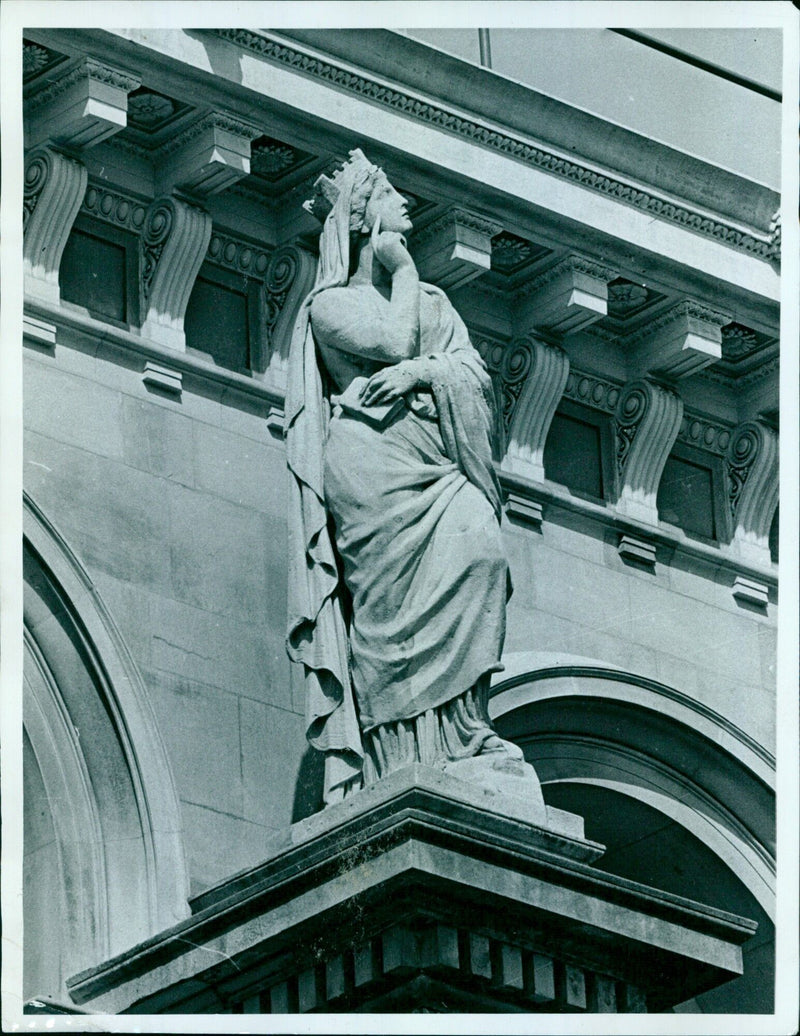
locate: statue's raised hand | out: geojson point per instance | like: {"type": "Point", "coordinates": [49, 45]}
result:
{"type": "Point", "coordinates": [390, 383]}
{"type": "Point", "coordinates": [389, 247]}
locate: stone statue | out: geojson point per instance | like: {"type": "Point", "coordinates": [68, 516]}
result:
{"type": "Point", "coordinates": [398, 578]}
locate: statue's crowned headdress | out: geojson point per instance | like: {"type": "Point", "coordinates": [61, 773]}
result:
{"type": "Point", "coordinates": [354, 179]}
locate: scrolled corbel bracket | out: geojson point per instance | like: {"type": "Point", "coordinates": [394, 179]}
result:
{"type": "Point", "coordinates": [543, 369]}
{"type": "Point", "coordinates": [83, 107]}
{"type": "Point", "coordinates": [288, 279]}
{"type": "Point", "coordinates": [752, 468]}
{"type": "Point", "coordinates": [647, 420]}
{"type": "Point", "coordinates": [54, 188]}
{"type": "Point", "coordinates": [174, 242]}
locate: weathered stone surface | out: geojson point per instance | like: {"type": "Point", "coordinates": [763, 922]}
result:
{"type": "Point", "coordinates": [114, 517]}
{"type": "Point", "coordinates": [73, 410]}
{"type": "Point", "coordinates": [226, 465]}
{"type": "Point", "coordinates": [192, 713]}
{"type": "Point", "coordinates": [264, 765]}
{"type": "Point", "coordinates": [217, 559]}
{"type": "Point", "coordinates": [157, 440]}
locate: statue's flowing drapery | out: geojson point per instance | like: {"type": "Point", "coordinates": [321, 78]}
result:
{"type": "Point", "coordinates": [417, 550]}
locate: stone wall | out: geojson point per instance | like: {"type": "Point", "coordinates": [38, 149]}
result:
{"type": "Point", "coordinates": [176, 507]}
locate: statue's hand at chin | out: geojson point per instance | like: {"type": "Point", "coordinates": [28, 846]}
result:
{"type": "Point", "coordinates": [389, 248]}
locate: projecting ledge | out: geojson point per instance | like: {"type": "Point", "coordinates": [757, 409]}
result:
{"type": "Point", "coordinates": [416, 894]}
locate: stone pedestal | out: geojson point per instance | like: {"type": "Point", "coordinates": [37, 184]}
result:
{"type": "Point", "coordinates": [423, 893]}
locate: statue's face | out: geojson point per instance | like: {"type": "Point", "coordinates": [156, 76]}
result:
{"type": "Point", "coordinates": [390, 205]}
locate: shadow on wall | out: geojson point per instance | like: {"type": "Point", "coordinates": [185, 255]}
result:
{"type": "Point", "coordinates": [223, 60]}
{"type": "Point", "coordinates": [308, 789]}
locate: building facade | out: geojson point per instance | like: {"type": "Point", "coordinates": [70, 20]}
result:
{"type": "Point", "coordinates": [613, 247]}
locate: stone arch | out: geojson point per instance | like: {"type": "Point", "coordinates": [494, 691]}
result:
{"type": "Point", "coordinates": [683, 798]}
{"type": "Point", "coordinates": [98, 778]}
{"type": "Point", "coordinates": [677, 754]}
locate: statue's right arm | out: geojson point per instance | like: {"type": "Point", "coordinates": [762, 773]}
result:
{"type": "Point", "coordinates": [344, 319]}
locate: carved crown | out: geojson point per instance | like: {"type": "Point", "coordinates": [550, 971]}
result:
{"type": "Point", "coordinates": [327, 189]}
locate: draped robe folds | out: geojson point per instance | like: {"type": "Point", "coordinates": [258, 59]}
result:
{"type": "Point", "coordinates": [419, 538]}
{"type": "Point", "coordinates": [414, 509]}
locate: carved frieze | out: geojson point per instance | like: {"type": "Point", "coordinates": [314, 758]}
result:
{"type": "Point", "coordinates": [120, 210]}
{"type": "Point", "coordinates": [85, 106]}
{"type": "Point", "coordinates": [647, 419]}
{"type": "Point", "coordinates": [752, 465]}
{"type": "Point", "coordinates": [543, 376]}
{"type": "Point", "coordinates": [591, 390]}
{"type": "Point", "coordinates": [704, 434]}
{"type": "Point", "coordinates": [567, 297]}
{"type": "Point", "coordinates": [174, 242]}
{"type": "Point", "coordinates": [774, 251]}
{"type": "Point", "coordinates": [53, 190]}
{"type": "Point", "coordinates": [232, 253]}
{"type": "Point", "coordinates": [455, 248]}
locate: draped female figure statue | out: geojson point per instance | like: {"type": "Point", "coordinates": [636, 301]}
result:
{"type": "Point", "coordinates": [397, 575]}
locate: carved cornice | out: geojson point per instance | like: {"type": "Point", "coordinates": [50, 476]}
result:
{"type": "Point", "coordinates": [121, 210]}
{"type": "Point", "coordinates": [54, 187]}
{"type": "Point", "coordinates": [679, 342]}
{"type": "Point", "coordinates": [647, 419]}
{"type": "Point", "coordinates": [455, 248]}
{"type": "Point", "coordinates": [234, 254]}
{"type": "Point", "coordinates": [488, 137]}
{"type": "Point", "coordinates": [214, 120]}
{"type": "Point", "coordinates": [88, 69]}
{"type": "Point", "coordinates": [774, 252]}
{"type": "Point", "coordinates": [756, 374]}
{"type": "Point", "coordinates": [688, 309]}
{"type": "Point", "coordinates": [131, 147]}
{"type": "Point", "coordinates": [252, 194]}
{"type": "Point", "coordinates": [770, 367]}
